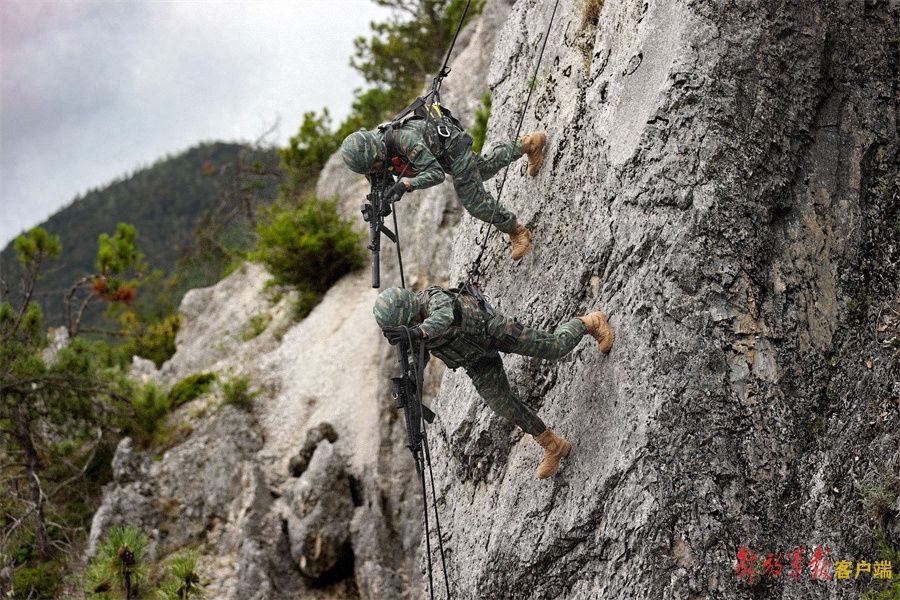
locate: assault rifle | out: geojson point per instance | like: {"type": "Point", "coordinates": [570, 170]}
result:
{"type": "Point", "coordinates": [377, 207]}
{"type": "Point", "coordinates": [407, 388]}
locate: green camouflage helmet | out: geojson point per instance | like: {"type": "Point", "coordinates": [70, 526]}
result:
{"type": "Point", "coordinates": [360, 150]}
{"type": "Point", "coordinates": [396, 306]}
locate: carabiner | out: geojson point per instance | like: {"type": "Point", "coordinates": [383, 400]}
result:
{"type": "Point", "coordinates": [445, 133]}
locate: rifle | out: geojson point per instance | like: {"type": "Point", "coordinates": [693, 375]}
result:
{"type": "Point", "coordinates": [407, 394]}
{"type": "Point", "coordinates": [377, 207]}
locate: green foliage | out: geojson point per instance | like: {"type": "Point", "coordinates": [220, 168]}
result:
{"type": "Point", "coordinates": [44, 402]}
{"type": "Point", "coordinates": [308, 245]}
{"type": "Point", "coordinates": [255, 326]}
{"type": "Point", "coordinates": [880, 489]}
{"type": "Point", "coordinates": [479, 130]}
{"type": "Point", "coordinates": [41, 580]}
{"type": "Point", "coordinates": [148, 326]}
{"type": "Point", "coordinates": [861, 301]}
{"type": "Point", "coordinates": [189, 388]}
{"type": "Point", "coordinates": [150, 407]}
{"type": "Point", "coordinates": [236, 392]}
{"type": "Point", "coordinates": [231, 266]}
{"type": "Point", "coordinates": [307, 152]}
{"type": "Point", "coordinates": [118, 253]}
{"type": "Point", "coordinates": [890, 589]}
{"type": "Point", "coordinates": [816, 425]}
{"type": "Point", "coordinates": [21, 548]}
{"type": "Point", "coordinates": [183, 581]}
{"type": "Point", "coordinates": [155, 342]}
{"type": "Point", "coordinates": [304, 303]}
{"type": "Point", "coordinates": [405, 49]}
{"type": "Point", "coordinates": [120, 568]}
{"type": "Point", "coordinates": [163, 201]}
{"type": "Point", "coordinates": [36, 246]}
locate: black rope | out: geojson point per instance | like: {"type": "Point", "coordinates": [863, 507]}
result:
{"type": "Point", "coordinates": [475, 271]}
{"type": "Point", "coordinates": [427, 532]}
{"type": "Point", "coordinates": [436, 84]}
{"type": "Point", "coordinates": [437, 521]}
{"type": "Point", "coordinates": [418, 367]}
{"type": "Point", "coordinates": [399, 254]}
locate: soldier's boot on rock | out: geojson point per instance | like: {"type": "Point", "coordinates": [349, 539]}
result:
{"type": "Point", "coordinates": [556, 448]}
{"type": "Point", "coordinates": [533, 146]}
{"type": "Point", "coordinates": [520, 238]}
{"type": "Point", "coordinates": [598, 327]}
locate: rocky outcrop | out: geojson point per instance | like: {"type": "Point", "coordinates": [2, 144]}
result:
{"type": "Point", "coordinates": [311, 491]}
{"type": "Point", "coordinates": [722, 179]}
{"type": "Point", "coordinates": [320, 509]}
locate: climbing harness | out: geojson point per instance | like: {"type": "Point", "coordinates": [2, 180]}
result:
{"type": "Point", "coordinates": [439, 127]}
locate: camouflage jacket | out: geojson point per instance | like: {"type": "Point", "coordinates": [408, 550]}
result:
{"type": "Point", "coordinates": [457, 330]}
{"type": "Point", "coordinates": [410, 139]}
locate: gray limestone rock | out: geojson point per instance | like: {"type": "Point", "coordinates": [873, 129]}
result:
{"type": "Point", "coordinates": [128, 465]}
{"type": "Point", "coordinates": [197, 480]}
{"type": "Point", "coordinates": [320, 508]}
{"type": "Point", "coordinates": [300, 461]}
{"type": "Point", "coordinates": [722, 180]}
{"type": "Point", "coordinates": [132, 504]}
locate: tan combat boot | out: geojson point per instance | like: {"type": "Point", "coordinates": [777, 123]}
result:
{"type": "Point", "coordinates": [520, 238]}
{"type": "Point", "coordinates": [598, 326]}
{"type": "Point", "coordinates": [533, 146]}
{"type": "Point", "coordinates": [556, 448]}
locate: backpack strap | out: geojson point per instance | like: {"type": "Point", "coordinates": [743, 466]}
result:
{"type": "Point", "coordinates": [471, 289]}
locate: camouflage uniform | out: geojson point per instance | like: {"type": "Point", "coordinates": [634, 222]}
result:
{"type": "Point", "coordinates": [462, 335]}
{"type": "Point", "coordinates": [469, 170]}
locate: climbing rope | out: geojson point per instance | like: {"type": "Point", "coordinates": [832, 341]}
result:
{"type": "Point", "coordinates": [421, 452]}
{"type": "Point", "coordinates": [419, 447]}
{"type": "Point", "coordinates": [474, 273]}
{"type": "Point", "coordinates": [445, 70]}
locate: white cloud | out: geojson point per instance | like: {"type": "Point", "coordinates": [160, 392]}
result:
{"type": "Point", "coordinates": [89, 90]}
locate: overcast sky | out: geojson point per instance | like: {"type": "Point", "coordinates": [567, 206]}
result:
{"type": "Point", "coordinates": [92, 89]}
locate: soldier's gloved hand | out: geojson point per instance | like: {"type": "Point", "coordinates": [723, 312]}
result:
{"type": "Point", "coordinates": [396, 335]}
{"type": "Point", "coordinates": [398, 189]}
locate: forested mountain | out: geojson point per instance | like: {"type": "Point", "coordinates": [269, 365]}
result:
{"type": "Point", "coordinates": [164, 202]}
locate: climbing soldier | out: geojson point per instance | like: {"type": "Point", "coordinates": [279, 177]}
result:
{"type": "Point", "coordinates": [420, 153]}
{"type": "Point", "coordinates": [458, 331]}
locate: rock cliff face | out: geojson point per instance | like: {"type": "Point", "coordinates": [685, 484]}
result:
{"type": "Point", "coordinates": [723, 179]}
{"type": "Point", "coordinates": [309, 491]}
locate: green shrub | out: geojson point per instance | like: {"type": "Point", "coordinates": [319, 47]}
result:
{"type": "Point", "coordinates": [120, 568]}
{"type": "Point", "coordinates": [255, 326]}
{"type": "Point", "coordinates": [479, 129]}
{"type": "Point", "coordinates": [41, 580]}
{"type": "Point", "coordinates": [150, 407]}
{"type": "Point", "coordinates": [157, 342]}
{"type": "Point", "coordinates": [21, 547]}
{"type": "Point", "coordinates": [885, 589]}
{"type": "Point", "coordinates": [189, 388]}
{"type": "Point", "coordinates": [183, 581]}
{"type": "Point", "coordinates": [308, 246]}
{"type": "Point", "coordinates": [236, 392]}
{"type": "Point", "coordinates": [303, 304]}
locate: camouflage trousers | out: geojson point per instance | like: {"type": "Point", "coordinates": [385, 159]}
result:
{"type": "Point", "coordinates": [470, 171]}
{"type": "Point", "coordinates": [489, 377]}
